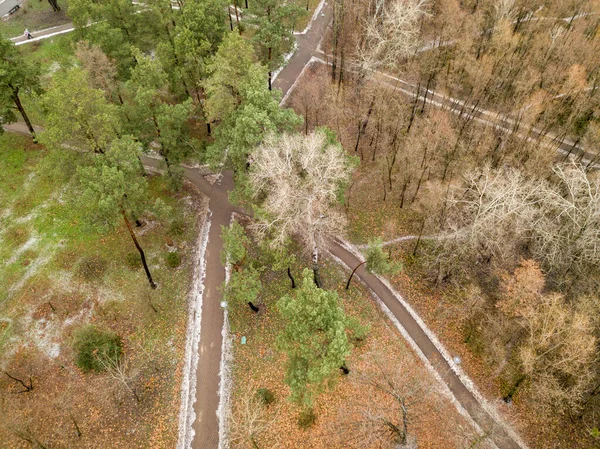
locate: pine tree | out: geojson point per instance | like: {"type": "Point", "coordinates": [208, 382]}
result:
{"type": "Point", "coordinates": [314, 339]}
{"type": "Point", "coordinates": [15, 76]}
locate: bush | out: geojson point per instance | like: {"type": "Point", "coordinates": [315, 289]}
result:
{"type": "Point", "coordinates": [307, 418]}
{"type": "Point", "coordinates": [96, 347]}
{"type": "Point", "coordinates": [266, 396]}
{"type": "Point", "coordinates": [173, 259]}
{"type": "Point", "coordinates": [133, 260]}
{"type": "Point", "coordinates": [92, 267]}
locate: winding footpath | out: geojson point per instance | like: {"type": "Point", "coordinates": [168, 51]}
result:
{"type": "Point", "coordinates": [200, 426]}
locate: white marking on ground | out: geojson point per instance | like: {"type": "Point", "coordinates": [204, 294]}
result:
{"type": "Point", "coordinates": [187, 416]}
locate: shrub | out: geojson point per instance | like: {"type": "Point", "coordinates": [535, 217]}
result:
{"type": "Point", "coordinates": [133, 260]}
{"type": "Point", "coordinates": [266, 396]}
{"type": "Point", "coordinates": [92, 267]}
{"type": "Point", "coordinates": [173, 259]}
{"type": "Point", "coordinates": [307, 418]}
{"type": "Point", "coordinates": [95, 348]}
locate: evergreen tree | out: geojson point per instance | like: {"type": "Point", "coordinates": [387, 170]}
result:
{"type": "Point", "coordinates": [238, 96]}
{"type": "Point", "coordinates": [113, 188]}
{"type": "Point", "coordinates": [314, 339]}
{"type": "Point", "coordinates": [274, 20]}
{"type": "Point", "coordinates": [198, 33]}
{"type": "Point", "coordinates": [15, 76]}
{"type": "Point", "coordinates": [79, 118]}
{"type": "Point", "coordinates": [154, 118]}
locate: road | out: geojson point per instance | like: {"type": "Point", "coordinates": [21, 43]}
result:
{"type": "Point", "coordinates": [206, 426]}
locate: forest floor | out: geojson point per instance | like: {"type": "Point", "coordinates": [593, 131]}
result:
{"type": "Point", "coordinates": [369, 217]}
{"type": "Point", "coordinates": [342, 410]}
{"type": "Point", "coordinates": [57, 275]}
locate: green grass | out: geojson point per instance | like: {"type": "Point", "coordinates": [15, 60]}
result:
{"type": "Point", "coordinates": [49, 52]}
{"type": "Point", "coordinates": [70, 275]}
{"type": "Point", "coordinates": [34, 15]}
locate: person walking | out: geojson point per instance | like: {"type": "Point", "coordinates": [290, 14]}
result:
{"type": "Point", "coordinates": [27, 34]}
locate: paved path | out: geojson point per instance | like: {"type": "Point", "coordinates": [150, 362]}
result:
{"type": "Point", "coordinates": [495, 431]}
{"type": "Point", "coordinates": [307, 48]}
{"type": "Point", "coordinates": [206, 425]}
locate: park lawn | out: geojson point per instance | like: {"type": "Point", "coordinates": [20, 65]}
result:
{"type": "Point", "coordinates": [34, 15]}
{"type": "Point", "coordinates": [57, 274]}
{"type": "Point", "coordinates": [435, 422]}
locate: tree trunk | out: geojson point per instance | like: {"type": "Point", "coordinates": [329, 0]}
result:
{"type": "Point", "coordinates": [19, 105]}
{"type": "Point", "coordinates": [514, 388]}
{"type": "Point", "coordinates": [418, 185]}
{"type": "Point", "coordinates": [270, 72]}
{"type": "Point", "coordinates": [77, 429]}
{"type": "Point", "coordinates": [289, 273]}
{"type": "Point", "coordinates": [140, 250]}
{"type": "Point", "coordinates": [54, 5]}
{"type": "Point", "coordinates": [419, 238]}
{"type": "Point", "coordinates": [237, 17]}
{"type": "Point", "coordinates": [316, 276]}
{"type": "Point", "coordinates": [352, 274]}
{"type": "Point", "coordinates": [16, 379]}
{"type": "Point", "coordinates": [414, 109]}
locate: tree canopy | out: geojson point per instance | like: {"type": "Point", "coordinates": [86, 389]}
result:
{"type": "Point", "coordinates": [314, 339]}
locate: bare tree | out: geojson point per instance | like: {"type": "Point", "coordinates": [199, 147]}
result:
{"type": "Point", "coordinates": [391, 34]}
{"type": "Point", "coordinates": [568, 232]}
{"type": "Point", "coordinates": [119, 369]}
{"type": "Point", "coordinates": [298, 180]}
{"type": "Point", "coordinates": [557, 348]}
{"type": "Point", "coordinates": [253, 417]}
{"type": "Point", "coordinates": [395, 400]}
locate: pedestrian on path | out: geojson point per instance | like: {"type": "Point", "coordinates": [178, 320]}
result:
{"type": "Point", "coordinates": [27, 34]}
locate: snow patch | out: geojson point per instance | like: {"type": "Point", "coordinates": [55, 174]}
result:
{"type": "Point", "coordinates": [187, 416]}
{"type": "Point", "coordinates": [32, 269]}
{"type": "Point", "coordinates": [286, 59]}
{"type": "Point", "coordinates": [32, 242]}
{"type": "Point", "coordinates": [226, 382]}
